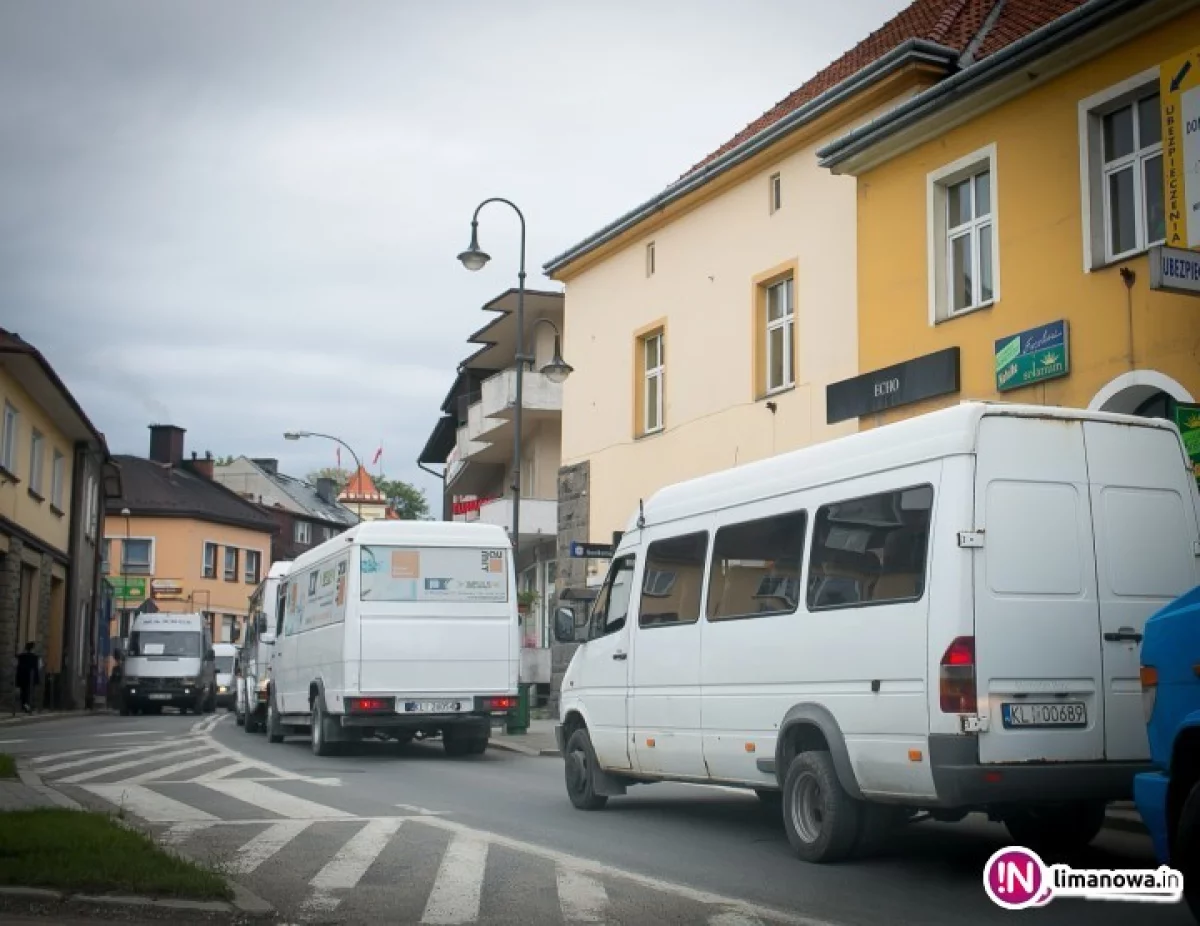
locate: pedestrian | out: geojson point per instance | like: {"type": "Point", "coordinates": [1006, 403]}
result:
{"type": "Point", "coordinates": [28, 675]}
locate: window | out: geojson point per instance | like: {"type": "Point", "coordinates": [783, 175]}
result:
{"type": "Point", "coordinates": [775, 186]}
{"type": "Point", "coordinates": [781, 320]}
{"type": "Point", "coordinates": [137, 556]}
{"type": "Point", "coordinates": [227, 621]}
{"type": "Point", "coordinates": [37, 448]}
{"type": "Point", "coordinates": [210, 560]}
{"type": "Point", "coordinates": [8, 441]}
{"type": "Point", "coordinates": [92, 496]}
{"type": "Point", "coordinates": [58, 474]}
{"type": "Point", "coordinates": [756, 567]}
{"type": "Point", "coordinates": [963, 249]}
{"type": "Point", "coordinates": [253, 567]}
{"type": "Point", "coordinates": [231, 564]}
{"type": "Point", "coordinates": [104, 549]}
{"type": "Point", "coordinates": [611, 607]}
{"type": "Point", "coordinates": [303, 532]}
{"type": "Point", "coordinates": [676, 601]}
{"type": "Point", "coordinates": [326, 533]}
{"type": "Point", "coordinates": [650, 259]}
{"type": "Point", "coordinates": [651, 364]}
{"type": "Point", "coordinates": [870, 550]}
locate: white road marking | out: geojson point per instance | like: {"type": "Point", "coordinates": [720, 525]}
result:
{"type": "Point", "coordinates": [266, 844]}
{"type": "Point", "coordinates": [147, 804]}
{"type": "Point", "coordinates": [93, 755]}
{"type": "Point", "coordinates": [730, 918]}
{"type": "Point", "coordinates": [10, 742]}
{"type": "Point", "coordinates": [274, 770]}
{"type": "Point", "coordinates": [158, 774]}
{"type": "Point", "coordinates": [456, 892]}
{"type": "Point", "coordinates": [122, 766]}
{"type": "Point", "coordinates": [259, 795]}
{"type": "Point", "coordinates": [582, 897]}
{"type": "Point", "coordinates": [223, 772]}
{"type": "Point", "coordinates": [351, 862]}
{"type": "Point", "coordinates": [422, 811]}
{"type": "Point", "coordinates": [181, 831]}
{"type": "Point", "coordinates": [128, 733]}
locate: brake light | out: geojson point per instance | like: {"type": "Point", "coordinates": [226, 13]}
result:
{"type": "Point", "coordinates": [368, 705]}
{"type": "Point", "coordinates": [1149, 676]}
{"type": "Point", "coordinates": [500, 704]}
{"type": "Point", "coordinates": [956, 677]}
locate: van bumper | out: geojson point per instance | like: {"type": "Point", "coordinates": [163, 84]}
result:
{"type": "Point", "coordinates": [961, 780]}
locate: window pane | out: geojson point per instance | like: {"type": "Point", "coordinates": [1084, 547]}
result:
{"type": "Point", "coordinates": [1118, 134]}
{"type": "Point", "coordinates": [776, 376]}
{"type": "Point", "coordinates": [961, 292]}
{"type": "Point", "coordinates": [1121, 218]}
{"type": "Point", "coordinates": [652, 406]}
{"type": "Point", "coordinates": [756, 567]}
{"type": "Point", "coordinates": [652, 351]}
{"type": "Point", "coordinates": [1149, 122]}
{"type": "Point", "coordinates": [776, 301]}
{"type": "Point", "coordinates": [959, 203]}
{"type": "Point", "coordinates": [870, 549]}
{"type": "Point", "coordinates": [986, 288]}
{"type": "Point", "coordinates": [983, 194]}
{"type": "Point", "coordinates": [673, 581]}
{"type": "Point", "coordinates": [612, 604]}
{"type": "Point", "coordinates": [1156, 216]}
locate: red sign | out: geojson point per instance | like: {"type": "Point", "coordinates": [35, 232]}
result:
{"type": "Point", "coordinates": [467, 505]}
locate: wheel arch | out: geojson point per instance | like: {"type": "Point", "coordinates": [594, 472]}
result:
{"type": "Point", "coordinates": [1184, 774]}
{"type": "Point", "coordinates": [810, 726]}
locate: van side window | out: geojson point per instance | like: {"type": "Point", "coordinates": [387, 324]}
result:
{"type": "Point", "coordinates": [870, 550]}
{"type": "Point", "coordinates": [674, 580]}
{"type": "Point", "coordinates": [756, 567]}
{"type": "Point", "coordinates": [612, 604]}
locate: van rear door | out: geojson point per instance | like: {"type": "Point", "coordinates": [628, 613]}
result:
{"type": "Point", "coordinates": [1143, 506]}
{"type": "Point", "coordinates": [1038, 656]}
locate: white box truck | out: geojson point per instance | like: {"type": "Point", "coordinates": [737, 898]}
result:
{"type": "Point", "coordinates": [254, 661]}
{"type": "Point", "coordinates": [399, 629]}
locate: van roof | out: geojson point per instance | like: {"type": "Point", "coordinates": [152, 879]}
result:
{"type": "Point", "coordinates": [225, 648]}
{"type": "Point", "coordinates": [942, 433]}
{"type": "Point", "coordinates": [279, 569]}
{"type": "Point", "coordinates": [404, 533]}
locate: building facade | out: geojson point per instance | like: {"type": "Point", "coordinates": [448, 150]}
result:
{"type": "Point", "coordinates": [54, 474]}
{"type": "Point", "coordinates": [175, 539]}
{"type": "Point", "coordinates": [1007, 218]}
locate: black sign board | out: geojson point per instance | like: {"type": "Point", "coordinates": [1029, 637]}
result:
{"type": "Point", "coordinates": [912, 381]}
{"type": "Point", "coordinates": [590, 550]}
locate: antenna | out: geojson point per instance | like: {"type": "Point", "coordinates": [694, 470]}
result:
{"type": "Point", "coordinates": [641, 521]}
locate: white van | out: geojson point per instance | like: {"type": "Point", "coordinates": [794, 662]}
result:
{"type": "Point", "coordinates": [169, 662]}
{"type": "Point", "coordinates": [226, 655]}
{"type": "Point", "coordinates": [401, 629]}
{"type": "Point", "coordinates": [254, 663]}
{"type": "Point", "coordinates": [939, 615]}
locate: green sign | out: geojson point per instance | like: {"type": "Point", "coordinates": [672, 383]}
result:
{"type": "Point", "coordinates": [1032, 356]}
{"type": "Point", "coordinates": [1187, 418]}
{"type": "Point", "coordinates": [128, 588]}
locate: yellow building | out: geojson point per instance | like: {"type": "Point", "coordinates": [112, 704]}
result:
{"type": "Point", "coordinates": [1006, 220]}
{"type": "Point", "coordinates": [176, 540]}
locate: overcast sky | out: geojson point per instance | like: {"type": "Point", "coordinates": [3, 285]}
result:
{"type": "Point", "coordinates": [242, 217]}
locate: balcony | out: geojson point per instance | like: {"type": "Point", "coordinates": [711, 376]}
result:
{"type": "Point", "coordinates": [539, 516]}
{"type": "Point", "coordinates": [541, 398]}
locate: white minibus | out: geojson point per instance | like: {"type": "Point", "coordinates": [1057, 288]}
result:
{"type": "Point", "coordinates": [255, 658]}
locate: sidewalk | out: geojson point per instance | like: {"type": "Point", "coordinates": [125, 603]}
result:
{"type": "Point", "coordinates": [9, 719]}
{"type": "Point", "coordinates": [538, 740]}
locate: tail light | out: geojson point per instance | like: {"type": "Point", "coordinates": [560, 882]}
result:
{"type": "Point", "coordinates": [1149, 676]}
{"type": "Point", "coordinates": [956, 677]}
{"type": "Point", "coordinates": [499, 704]}
{"type": "Point", "coordinates": [369, 705]}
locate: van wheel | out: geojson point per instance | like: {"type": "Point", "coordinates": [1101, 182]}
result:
{"type": "Point", "coordinates": [876, 824]}
{"type": "Point", "coordinates": [323, 736]}
{"type": "Point", "coordinates": [821, 819]}
{"type": "Point", "coordinates": [1185, 854]}
{"type": "Point", "coordinates": [580, 767]}
{"type": "Point", "coordinates": [238, 717]}
{"type": "Point", "coordinates": [1057, 827]}
{"type": "Point", "coordinates": [465, 741]}
{"type": "Point", "coordinates": [274, 727]}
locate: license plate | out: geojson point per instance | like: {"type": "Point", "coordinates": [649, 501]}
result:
{"type": "Point", "coordinates": [160, 697]}
{"type": "Point", "coordinates": [433, 707]}
{"type": "Point", "coordinates": [1058, 714]}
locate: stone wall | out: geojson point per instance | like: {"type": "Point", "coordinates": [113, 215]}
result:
{"type": "Point", "coordinates": [10, 605]}
{"type": "Point", "coordinates": [574, 522]}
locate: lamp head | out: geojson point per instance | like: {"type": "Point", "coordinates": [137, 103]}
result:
{"type": "Point", "coordinates": [557, 370]}
{"type": "Point", "coordinates": [473, 258]}
{"type": "Point", "coordinates": [294, 435]}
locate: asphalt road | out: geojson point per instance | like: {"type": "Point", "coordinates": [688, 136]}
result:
{"type": "Point", "coordinates": [395, 835]}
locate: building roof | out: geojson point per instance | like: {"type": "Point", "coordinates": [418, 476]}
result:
{"type": "Point", "coordinates": [361, 487]}
{"type": "Point", "coordinates": [306, 498]}
{"type": "Point", "coordinates": [157, 490]}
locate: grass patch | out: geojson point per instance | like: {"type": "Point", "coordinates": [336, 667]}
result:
{"type": "Point", "coordinates": [8, 766]}
{"type": "Point", "coordinates": [74, 850]}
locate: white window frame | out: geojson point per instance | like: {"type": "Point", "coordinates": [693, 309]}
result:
{"type": "Point", "coordinates": [775, 192]}
{"type": "Point", "coordinates": [650, 262]}
{"type": "Point", "coordinates": [656, 373]}
{"type": "Point", "coordinates": [37, 462]}
{"type": "Point", "coordinates": [204, 570]}
{"type": "Point", "coordinates": [125, 570]}
{"type": "Point", "coordinates": [226, 574]}
{"type": "Point", "coordinates": [58, 475]}
{"type": "Point", "coordinates": [938, 240]}
{"type": "Point", "coordinates": [8, 439]}
{"type": "Point", "coordinates": [302, 533]}
{"type": "Point", "coordinates": [252, 578]}
{"type": "Point", "coordinates": [1097, 230]}
{"type": "Point", "coordinates": [788, 323]}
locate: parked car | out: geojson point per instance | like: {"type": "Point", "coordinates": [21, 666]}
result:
{"type": "Point", "coordinates": [938, 615]}
{"type": "Point", "coordinates": [1168, 798]}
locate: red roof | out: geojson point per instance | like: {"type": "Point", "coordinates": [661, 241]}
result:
{"type": "Point", "coordinates": [952, 23]}
{"type": "Point", "coordinates": [361, 487]}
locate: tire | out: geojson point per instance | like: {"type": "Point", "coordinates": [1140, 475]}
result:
{"type": "Point", "coordinates": [252, 723]}
{"type": "Point", "coordinates": [464, 741]}
{"type": "Point", "coordinates": [323, 744]}
{"type": "Point", "coordinates": [124, 711]}
{"type": "Point", "coordinates": [1056, 828]}
{"type": "Point", "coordinates": [1185, 852]}
{"type": "Point", "coordinates": [238, 717]}
{"type": "Point", "coordinates": [877, 823]}
{"type": "Point", "coordinates": [821, 819]}
{"type": "Point", "coordinates": [579, 766]}
{"type": "Point", "coordinates": [274, 727]}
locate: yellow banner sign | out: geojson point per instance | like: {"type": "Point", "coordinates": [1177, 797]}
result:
{"type": "Point", "coordinates": [1180, 93]}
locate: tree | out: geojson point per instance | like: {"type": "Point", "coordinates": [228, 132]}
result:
{"type": "Point", "coordinates": [408, 502]}
{"type": "Point", "coordinates": [340, 477]}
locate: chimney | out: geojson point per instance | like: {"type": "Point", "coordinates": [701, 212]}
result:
{"type": "Point", "coordinates": [202, 468]}
{"type": "Point", "coordinates": [326, 490]}
{"type": "Point", "coordinates": [166, 444]}
{"type": "Point", "coordinates": [269, 466]}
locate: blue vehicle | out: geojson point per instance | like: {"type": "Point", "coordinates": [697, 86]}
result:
{"type": "Point", "coordinates": [1168, 798]}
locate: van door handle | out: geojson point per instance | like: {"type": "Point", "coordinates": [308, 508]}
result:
{"type": "Point", "coordinates": [1124, 635]}
{"type": "Point", "coordinates": [620, 655]}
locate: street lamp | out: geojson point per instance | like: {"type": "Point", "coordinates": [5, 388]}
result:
{"type": "Point", "coordinates": [474, 258]}
{"type": "Point", "coordinates": [125, 513]}
{"type": "Point", "coordinates": [296, 435]}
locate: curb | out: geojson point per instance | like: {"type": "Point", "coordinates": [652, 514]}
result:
{"type": "Point", "coordinates": [117, 900]}
{"type": "Point", "coordinates": [30, 779]}
{"type": "Point", "coordinates": [21, 720]}
{"type": "Point", "coordinates": [521, 750]}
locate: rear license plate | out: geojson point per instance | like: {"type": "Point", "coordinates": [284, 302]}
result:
{"type": "Point", "coordinates": [160, 697]}
{"type": "Point", "coordinates": [1060, 714]}
{"type": "Point", "coordinates": [433, 707]}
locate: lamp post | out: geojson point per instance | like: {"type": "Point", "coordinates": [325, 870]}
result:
{"type": "Point", "coordinates": [125, 513]}
{"type": "Point", "coordinates": [473, 258]}
{"type": "Point", "coordinates": [296, 435]}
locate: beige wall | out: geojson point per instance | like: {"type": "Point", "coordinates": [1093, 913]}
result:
{"type": "Point", "coordinates": [16, 504]}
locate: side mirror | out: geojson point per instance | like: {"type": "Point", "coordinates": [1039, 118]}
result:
{"type": "Point", "coordinates": [261, 623]}
{"type": "Point", "coordinates": [212, 655]}
{"type": "Point", "coordinates": [564, 625]}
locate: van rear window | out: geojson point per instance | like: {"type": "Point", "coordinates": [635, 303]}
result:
{"type": "Point", "coordinates": [435, 574]}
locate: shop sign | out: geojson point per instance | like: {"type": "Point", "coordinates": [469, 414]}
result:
{"type": "Point", "coordinates": [1179, 90]}
{"type": "Point", "coordinates": [1187, 419]}
{"type": "Point", "coordinates": [126, 588]}
{"type": "Point", "coordinates": [902, 384]}
{"type": "Point", "coordinates": [1032, 356]}
{"type": "Point", "coordinates": [166, 588]}
{"type": "Point", "coordinates": [1174, 270]}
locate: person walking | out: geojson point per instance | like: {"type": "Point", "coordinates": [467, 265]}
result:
{"type": "Point", "coordinates": [28, 675]}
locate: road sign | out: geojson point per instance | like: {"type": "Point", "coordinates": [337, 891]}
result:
{"type": "Point", "coordinates": [591, 550]}
{"type": "Point", "coordinates": [1179, 87]}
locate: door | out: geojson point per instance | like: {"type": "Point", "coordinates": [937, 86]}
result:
{"type": "Point", "coordinates": [1037, 622]}
{"type": "Point", "coordinates": [604, 667]}
{"type": "Point", "coordinates": [285, 653]}
{"type": "Point", "coordinates": [1142, 505]}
